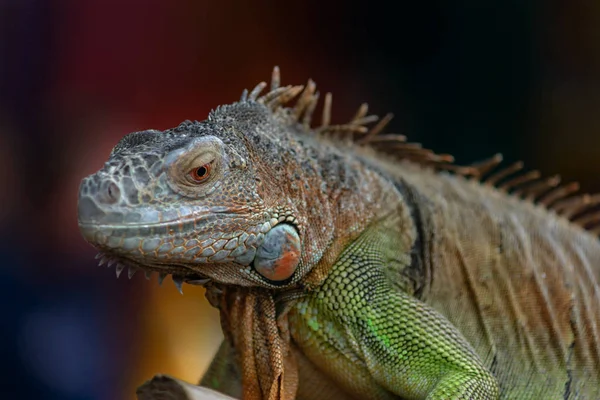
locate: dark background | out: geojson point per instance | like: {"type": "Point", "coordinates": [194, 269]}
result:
{"type": "Point", "coordinates": [466, 77]}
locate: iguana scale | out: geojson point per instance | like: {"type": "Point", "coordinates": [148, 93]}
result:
{"type": "Point", "coordinates": [348, 263]}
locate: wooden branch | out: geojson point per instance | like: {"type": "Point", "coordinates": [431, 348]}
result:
{"type": "Point", "coordinates": [164, 387]}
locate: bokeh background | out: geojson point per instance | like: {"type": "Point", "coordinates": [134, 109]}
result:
{"type": "Point", "coordinates": [466, 77]}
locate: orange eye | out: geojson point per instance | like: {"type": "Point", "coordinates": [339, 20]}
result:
{"type": "Point", "coordinates": [201, 173]}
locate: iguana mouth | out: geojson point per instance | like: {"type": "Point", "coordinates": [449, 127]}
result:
{"type": "Point", "coordinates": [184, 226]}
{"type": "Point", "coordinates": [274, 254]}
{"type": "Point", "coordinates": [148, 221]}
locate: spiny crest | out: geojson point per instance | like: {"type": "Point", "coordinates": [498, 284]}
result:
{"type": "Point", "coordinates": [529, 186]}
{"type": "Point", "coordinates": [356, 130]}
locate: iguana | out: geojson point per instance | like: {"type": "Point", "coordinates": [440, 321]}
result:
{"type": "Point", "coordinates": [348, 263]}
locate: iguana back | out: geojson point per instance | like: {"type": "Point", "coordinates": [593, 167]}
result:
{"type": "Point", "coordinates": [520, 282]}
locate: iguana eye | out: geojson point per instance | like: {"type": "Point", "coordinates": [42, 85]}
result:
{"type": "Point", "coordinates": [201, 173]}
{"type": "Point", "coordinates": [195, 170]}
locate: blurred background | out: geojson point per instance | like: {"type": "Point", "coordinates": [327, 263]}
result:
{"type": "Point", "coordinates": [466, 77]}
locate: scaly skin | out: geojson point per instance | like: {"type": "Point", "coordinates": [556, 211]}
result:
{"type": "Point", "coordinates": [346, 265]}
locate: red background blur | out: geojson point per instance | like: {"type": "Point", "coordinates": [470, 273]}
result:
{"type": "Point", "coordinates": [467, 77]}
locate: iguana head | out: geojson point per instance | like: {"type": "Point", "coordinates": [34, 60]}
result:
{"type": "Point", "coordinates": [223, 199]}
{"type": "Point", "coordinates": [252, 196]}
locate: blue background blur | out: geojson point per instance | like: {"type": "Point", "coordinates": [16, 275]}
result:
{"type": "Point", "coordinates": [467, 77]}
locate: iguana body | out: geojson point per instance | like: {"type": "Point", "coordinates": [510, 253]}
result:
{"type": "Point", "coordinates": [345, 264]}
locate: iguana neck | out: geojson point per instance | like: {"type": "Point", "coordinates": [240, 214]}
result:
{"type": "Point", "coordinates": [356, 197]}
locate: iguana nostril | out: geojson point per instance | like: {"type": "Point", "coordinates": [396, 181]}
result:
{"type": "Point", "coordinates": [110, 193]}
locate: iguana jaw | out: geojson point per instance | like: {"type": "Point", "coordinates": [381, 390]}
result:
{"type": "Point", "coordinates": [189, 255]}
{"type": "Point", "coordinates": [207, 242]}
{"type": "Point", "coordinates": [171, 242]}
